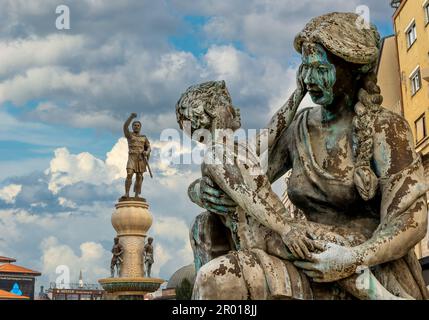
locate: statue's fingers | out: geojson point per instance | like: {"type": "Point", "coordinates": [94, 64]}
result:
{"type": "Point", "coordinates": [220, 209]}
{"type": "Point", "coordinates": [208, 181]}
{"type": "Point", "coordinates": [306, 265]}
{"type": "Point", "coordinates": [304, 249]}
{"type": "Point", "coordinates": [220, 201]}
{"type": "Point", "coordinates": [298, 250]}
{"type": "Point", "coordinates": [319, 279]}
{"type": "Point", "coordinates": [320, 245]}
{"type": "Point", "coordinates": [313, 274]}
{"type": "Point", "coordinates": [309, 244]}
{"type": "Point", "coordinates": [311, 235]}
{"type": "Point", "coordinates": [212, 191]}
{"type": "Point", "coordinates": [292, 250]}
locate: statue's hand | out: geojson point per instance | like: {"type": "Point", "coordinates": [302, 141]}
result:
{"type": "Point", "coordinates": [133, 115]}
{"type": "Point", "coordinates": [298, 243]}
{"type": "Point", "coordinates": [333, 263]}
{"type": "Point", "coordinates": [215, 200]}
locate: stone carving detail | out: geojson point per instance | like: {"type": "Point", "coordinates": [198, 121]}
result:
{"type": "Point", "coordinates": [132, 265]}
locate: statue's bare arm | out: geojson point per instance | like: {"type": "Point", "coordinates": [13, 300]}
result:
{"type": "Point", "coordinates": [127, 125]}
{"type": "Point", "coordinates": [401, 231]}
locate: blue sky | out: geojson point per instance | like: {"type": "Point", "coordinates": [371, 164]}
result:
{"type": "Point", "coordinates": [65, 94]}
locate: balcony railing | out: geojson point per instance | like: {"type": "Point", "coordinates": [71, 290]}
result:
{"type": "Point", "coordinates": [75, 286]}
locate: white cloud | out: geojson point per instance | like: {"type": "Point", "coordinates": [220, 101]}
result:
{"type": "Point", "coordinates": [92, 259]}
{"type": "Point", "coordinates": [55, 49]}
{"type": "Point", "coordinates": [172, 230]}
{"type": "Point", "coordinates": [66, 169]}
{"type": "Point", "coordinates": [66, 203]}
{"type": "Point", "coordinates": [9, 193]}
{"type": "Point", "coordinates": [41, 81]}
{"type": "Point", "coordinates": [224, 62]}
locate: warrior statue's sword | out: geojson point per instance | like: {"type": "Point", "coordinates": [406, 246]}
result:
{"type": "Point", "coordinates": [147, 165]}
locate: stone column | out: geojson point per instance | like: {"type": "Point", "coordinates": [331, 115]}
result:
{"type": "Point", "coordinates": [131, 221]}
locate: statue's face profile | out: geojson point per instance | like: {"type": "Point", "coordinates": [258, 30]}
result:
{"type": "Point", "coordinates": [136, 127]}
{"type": "Point", "coordinates": [150, 240]}
{"type": "Point", "coordinates": [116, 240]}
{"type": "Point", "coordinates": [318, 74]}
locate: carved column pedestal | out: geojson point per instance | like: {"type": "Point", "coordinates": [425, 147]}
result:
{"type": "Point", "coordinates": [131, 220]}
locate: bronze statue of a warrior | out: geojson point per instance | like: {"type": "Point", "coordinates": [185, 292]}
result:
{"type": "Point", "coordinates": [117, 252]}
{"type": "Point", "coordinates": [138, 156]}
{"type": "Point", "coordinates": [148, 256]}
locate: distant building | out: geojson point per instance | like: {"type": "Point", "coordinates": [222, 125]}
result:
{"type": "Point", "coordinates": [411, 23]}
{"type": "Point", "coordinates": [388, 75]}
{"type": "Point", "coordinates": [5, 295]}
{"type": "Point", "coordinates": [74, 291]}
{"type": "Point", "coordinates": [16, 282]}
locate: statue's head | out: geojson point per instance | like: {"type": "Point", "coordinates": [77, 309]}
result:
{"type": "Point", "coordinates": [207, 106]}
{"type": "Point", "coordinates": [339, 55]}
{"type": "Point", "coordinates": [116, 240]}
{"type": "Point", "coordinates": [150, 240]}
{"type": "Point", "coordinates": [136, 125]}
{"type": "Point", "coordinates": [337, 49]}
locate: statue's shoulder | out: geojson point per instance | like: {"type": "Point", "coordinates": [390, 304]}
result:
{"type": "Point", "coordinates": [391, 122]}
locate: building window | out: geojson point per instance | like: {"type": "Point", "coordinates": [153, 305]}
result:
{"type": "Point", "coordinates": [426, 7]}
{"type": "Point", "coordinates": [416, 81]}
{"type": "Point", "coordinates": [411, 34]}
{"type": "Point", "coordinates": [421, 131]}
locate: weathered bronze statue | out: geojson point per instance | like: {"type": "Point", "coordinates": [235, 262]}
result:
{"type": "Point", "coordinates": [138, 156]}
{"type": "Point", "coordinates": [355, 176]}
{"type": "Point", "coordinates": [148, 256]}
{"type": "Point", "coordinates": [116, 261]}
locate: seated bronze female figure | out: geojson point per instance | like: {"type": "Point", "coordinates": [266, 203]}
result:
{"type": "Point", "coordinates": [354, 171]}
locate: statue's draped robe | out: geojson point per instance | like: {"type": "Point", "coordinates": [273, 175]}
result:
{"type": "Point", "coordinates": [312, 189]}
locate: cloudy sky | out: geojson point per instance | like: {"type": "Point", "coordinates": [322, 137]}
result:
{"type": "Point", "coordinates": [65, 93]}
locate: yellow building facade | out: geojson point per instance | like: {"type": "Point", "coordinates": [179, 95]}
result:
{"type": "Point", "coordinates": [411, 23]}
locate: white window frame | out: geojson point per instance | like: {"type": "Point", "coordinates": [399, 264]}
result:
{"type": "Point", "coordinates": [415, 86]}
{"type": "Point", "coordinates": [426, 10]}
{"type": "Point", "coordinates": [411, 27]}
{"type": "Point", "coordinates": [425, 129]}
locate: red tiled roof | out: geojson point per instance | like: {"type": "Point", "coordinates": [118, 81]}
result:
{"type": "Point", "coordinates": [11, 268]}
{"type": "Point", "coordinates": [5, 295]}
{"type": "Point", "coordinates": [6, 259]}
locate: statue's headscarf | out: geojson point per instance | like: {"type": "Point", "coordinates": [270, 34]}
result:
{"type": "Point", "coordinates": [345, 35]}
